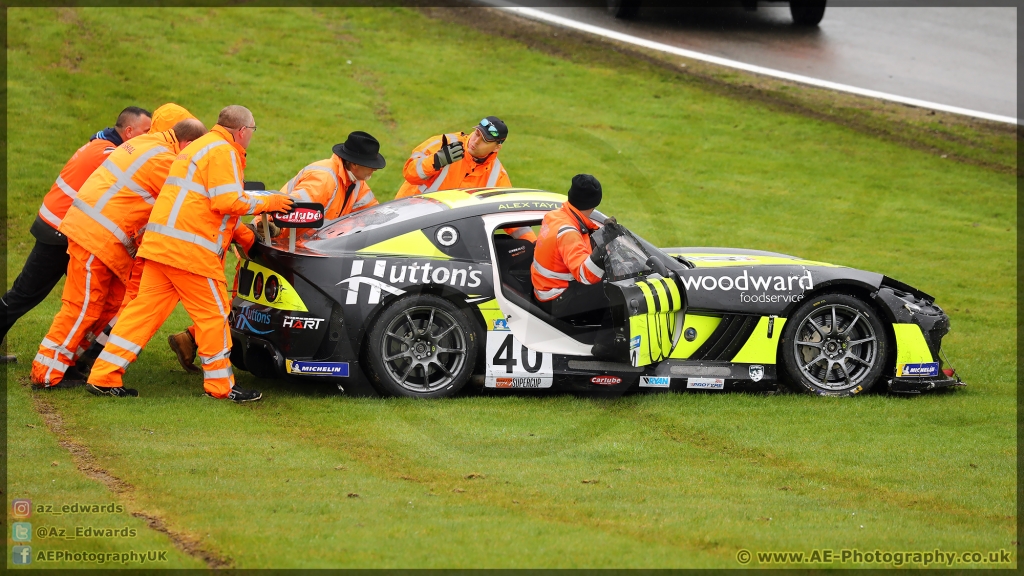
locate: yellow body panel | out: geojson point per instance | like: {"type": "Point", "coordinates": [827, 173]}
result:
{"type": "Point", "coordinates": [414, 243]}
{"type": "Point", "coordinates": [759, 348]}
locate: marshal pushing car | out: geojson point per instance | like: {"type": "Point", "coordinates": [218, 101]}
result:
{"type": "Point", "coordinates": [420, 296]}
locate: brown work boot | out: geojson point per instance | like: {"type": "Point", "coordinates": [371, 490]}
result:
{"type": "Point", "coordinates": [184, 348]}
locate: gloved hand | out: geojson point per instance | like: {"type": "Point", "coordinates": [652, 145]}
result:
{"type": "Point", "coordinates": [448, 153]}
{"type": "Point", "coordinates": [257, 228]}
{"type": "Point", "coordinates": [279, 203]}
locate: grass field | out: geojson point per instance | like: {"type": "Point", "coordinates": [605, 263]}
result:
{"type": "Point", "coordinates": [309, 478]}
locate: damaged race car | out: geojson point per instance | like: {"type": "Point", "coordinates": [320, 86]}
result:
{"type": "Point", "coordinates": [420, 296]}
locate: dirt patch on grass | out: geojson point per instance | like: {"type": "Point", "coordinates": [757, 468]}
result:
{"type": "Point", "coordinates": [982, 143]}
{"type": "Point", "coordinates": [86, 463]}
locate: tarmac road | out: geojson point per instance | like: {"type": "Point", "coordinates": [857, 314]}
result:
{"type": "Point", "coordinates": [965, 57]}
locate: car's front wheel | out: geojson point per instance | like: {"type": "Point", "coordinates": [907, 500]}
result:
{"type": "Point", "coordinates": [834, 345]}
{"type": "Point", "coordinates": [422, 346]}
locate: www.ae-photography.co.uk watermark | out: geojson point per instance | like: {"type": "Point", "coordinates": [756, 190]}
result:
{"type": "Point", "coordinates": [1001, 558]}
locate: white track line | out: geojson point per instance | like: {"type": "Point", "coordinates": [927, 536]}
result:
{"type": "Point", "coordinates": [605, 33]}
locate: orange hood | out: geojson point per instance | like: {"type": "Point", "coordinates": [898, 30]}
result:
{"type": "Point", "coordinates": [166, 116]}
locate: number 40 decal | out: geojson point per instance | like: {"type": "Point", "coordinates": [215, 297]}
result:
{"type": "Point", "coordinates": [510, 364]}
{"type": "Point", "coordinates": [503, 357]}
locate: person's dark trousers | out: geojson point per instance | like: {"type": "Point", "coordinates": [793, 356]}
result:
{"type": "Point", "coordinates": [45, 266]}
{"type": "Point", "coordinates": [581, 302]}
{"type": "Point", "coordinates": [588, 304]}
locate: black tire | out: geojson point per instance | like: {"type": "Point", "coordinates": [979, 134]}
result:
{"type": "Point", "coordinates": [624, 9]}
{"type": "Point", "coordinates": [421, 346]}
{"type": "Point", "coordinates": [807, 12]}
{"type": "Point", "coordinates": [834, 345]}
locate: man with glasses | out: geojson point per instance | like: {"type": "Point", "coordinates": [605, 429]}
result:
{"type": "Point", "coordinates": [340, 183]}
{"type": "Point", "coordinates": [449, 161]}
{"type": "Point", "coordinates": [187, 236]}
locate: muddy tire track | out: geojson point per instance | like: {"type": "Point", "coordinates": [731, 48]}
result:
{"type": "Point", "coordinates": [86, 463]}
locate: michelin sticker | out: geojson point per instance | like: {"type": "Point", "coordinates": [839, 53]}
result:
{"type": "Point", "coordinates": [512, 365]}
{"type": "Point", "coordinates": [923, 370]}
{"type": "Point", "coordinates": [316, 368]}
{"type": "Point", "coordinates": [655, 381]}
{"type": "Point", "coordinates": [705, 383]}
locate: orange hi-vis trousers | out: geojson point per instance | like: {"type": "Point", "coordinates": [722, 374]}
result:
{"type": "Point", "coordinates": [92, 295]}
{"type": "Point", "coordinates": [162, 287]}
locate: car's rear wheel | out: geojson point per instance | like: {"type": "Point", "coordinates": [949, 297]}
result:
{"type": "Point", "coordinates": [422, 346]}
{"type": "Point", "coordinates": [834, 345]}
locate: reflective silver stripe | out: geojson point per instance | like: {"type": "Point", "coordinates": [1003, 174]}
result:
{"type": "Point", "coordinates": [102, 337]}
{"type": "Point", "coordinates": [223, 229]}
{"type": "Point", "coordinates": [51, 363]}
{"type": "Point", "coordinates": [126, 344]}
{"type": "Point", "coordinates": [224, 189]}
{"type": "Point", "coordinates": [436, 184]}
{"type": "Point", "coordinates": [51, 345]}
{"type": "Point", "coordinates": [520, 232]}
{"type": "Point", "coordinates": [115, 360]}
{"type": "Point", "coordinates": [566, 230]}
{"type": "Point", "coordinates": [216, 296]}
{"type": "Point", "coordinates": [253, 202]}
{"type": "Point", "coordinates": [549, 274]}
{"type": "Point", "coordinates": [220, 307]}
{"type": "Point", "coordinates": [219, 356]}
{"type": "Point", "coordinates": [172, 218]}
{"type": "Point", "coordinates": [495, 172]}
{"type": "Point", "coordinates": [545, 295]}
{"type": "Point", "coordinates": [102, 220]}
{"type": "Point", "coordinates": [366, 199]}
{"type": "Point", "coordinates": [420, 157]}
{"type": "Point", "coordinates": [222, 373]}
{"type": "Point", "coordinates": [85, 306]}
{"type": "Point", "coordinates": [185, 236]}
{"type": "Point", "coordinates": [303, 195]}
{"type": "Point", "coordinates": [186, 185]}
{"type": "Point", "coordinates": [124, 179]}
{"type": "Point", "coordinates": [65, 188]}
{"type": "Point", "coordinates": [589, 266]}
{"type": "Point", "coordinates": [202, 151]}
{"type": "Point", "coordinates": [234, 167]}
{"type": "Point", "coordinates": [49, 216]}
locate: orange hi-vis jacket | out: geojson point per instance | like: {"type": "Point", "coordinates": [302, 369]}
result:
{"type": "Point", "coordinates": [562, 253]}
{"type": "Point", "coordinates": [194, 218]}
{"type": "Point", "coordinates": [78, 169]}
{"type": "Point", "coordinates": [114, 204]}
{"type": "Point", "coordinates": [327, 182]}
{"type": "Point", "coordinates": [420, 176]}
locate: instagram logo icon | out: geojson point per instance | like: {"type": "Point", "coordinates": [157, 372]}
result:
{"type": "Point", "coordinates": [21, 508]}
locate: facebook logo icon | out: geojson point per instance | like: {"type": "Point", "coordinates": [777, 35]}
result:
{"type": "Point", "coordinates": [21, 554]}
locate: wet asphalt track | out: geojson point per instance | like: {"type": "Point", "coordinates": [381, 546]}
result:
{"type": "Point", "coordinates": [965, 57]}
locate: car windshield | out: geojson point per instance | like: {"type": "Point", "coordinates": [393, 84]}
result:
{"type": "Point", "coordinates": [626, 259]}
{"type": "Point", "coordinates": [377, 216]}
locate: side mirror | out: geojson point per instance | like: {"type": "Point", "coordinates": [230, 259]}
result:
{"type": "Point", "coordinates": [658, 266]}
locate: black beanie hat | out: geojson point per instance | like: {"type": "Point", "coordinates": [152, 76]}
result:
{"type": "Point", "coordinates": [585, 192]}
